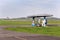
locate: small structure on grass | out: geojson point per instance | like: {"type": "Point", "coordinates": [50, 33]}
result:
{"type": "Point", "coordinates": [44, 21]}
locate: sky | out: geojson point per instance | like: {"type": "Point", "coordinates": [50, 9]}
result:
{"type": "Point", "coordinates": [23, 8]}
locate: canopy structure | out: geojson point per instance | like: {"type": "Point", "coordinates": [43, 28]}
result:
{"type": "Point", "coordinates": [40, 15]}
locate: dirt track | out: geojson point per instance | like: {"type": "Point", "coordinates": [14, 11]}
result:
{"type": "Point", "coordinates": [10, 35]}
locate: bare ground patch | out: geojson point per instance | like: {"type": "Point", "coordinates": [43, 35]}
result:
{"type": "Point", "coordinates": [11, 35]}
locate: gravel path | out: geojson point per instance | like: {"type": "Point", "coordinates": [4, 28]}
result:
{"type": "Point", "coordinates": [11, 35]}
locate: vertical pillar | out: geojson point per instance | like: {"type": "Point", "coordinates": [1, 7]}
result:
{"type": "Point", "coordinates": [33, 21]}
{"type": "Point", "coordinates": [45, 20]}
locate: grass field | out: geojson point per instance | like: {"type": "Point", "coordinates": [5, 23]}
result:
{"type": "Point", "coordinates": [11, 22]}
{"type": "Point", "coordinates": [53, 30]}
{"type": "Point", "coordinates": [16, 22]}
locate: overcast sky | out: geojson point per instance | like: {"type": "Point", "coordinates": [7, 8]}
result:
{"type": "Point", "coordinates": [20, 8]}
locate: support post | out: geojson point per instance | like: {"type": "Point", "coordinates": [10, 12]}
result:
{"type": "Point", "coordinates": [33, 21]}
{"type": "Point", "coordinates": [45, 21]}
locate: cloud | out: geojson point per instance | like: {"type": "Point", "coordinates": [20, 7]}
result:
{"type": "Point", "coordinates": [17, 8]}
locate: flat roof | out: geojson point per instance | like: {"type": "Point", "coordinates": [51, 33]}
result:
{"type": "Point", "coordinates": [40, 15]}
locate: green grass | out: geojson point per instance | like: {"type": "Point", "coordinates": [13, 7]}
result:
{"type": "Point", "coordinates": [52, 31]}
{"type": "Point", "coordinates": [7, 22]}
{"type": "Point", "coordinates": [54, 21]}
{"type": "Point", "coordinates": [10, 22]}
